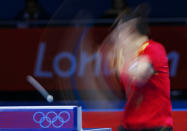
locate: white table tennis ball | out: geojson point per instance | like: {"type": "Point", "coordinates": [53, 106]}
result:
{"type": "Point", "coordinates": [50, 98]}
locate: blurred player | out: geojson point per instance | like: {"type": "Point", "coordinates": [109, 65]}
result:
{"type": "Point", "coordinates": [142, 67]}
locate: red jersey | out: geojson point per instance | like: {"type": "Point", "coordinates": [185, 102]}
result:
{"type": "Point", "coordinates": [149, 106]}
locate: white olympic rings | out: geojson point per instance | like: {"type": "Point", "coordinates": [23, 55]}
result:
{"type": "Point", "coordinates": [51, 118]}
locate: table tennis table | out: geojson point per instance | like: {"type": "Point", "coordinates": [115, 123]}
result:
{"type": "Point", "coordinates": [39, 118]}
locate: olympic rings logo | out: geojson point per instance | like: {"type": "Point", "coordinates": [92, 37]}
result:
{"type": "Point", "coordinates": [51, 118]}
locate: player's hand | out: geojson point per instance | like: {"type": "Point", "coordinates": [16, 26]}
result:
{"type": "Point", "coordinates": [140, 70]}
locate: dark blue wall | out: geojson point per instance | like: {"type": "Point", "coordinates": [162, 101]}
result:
{"type": "Point", "coordinates": [67, 8]}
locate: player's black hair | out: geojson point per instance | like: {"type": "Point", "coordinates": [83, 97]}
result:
{"type": "Point", "coordinates": [124, 3]}
{"type": "Point", "coordinates": [140, 13]}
